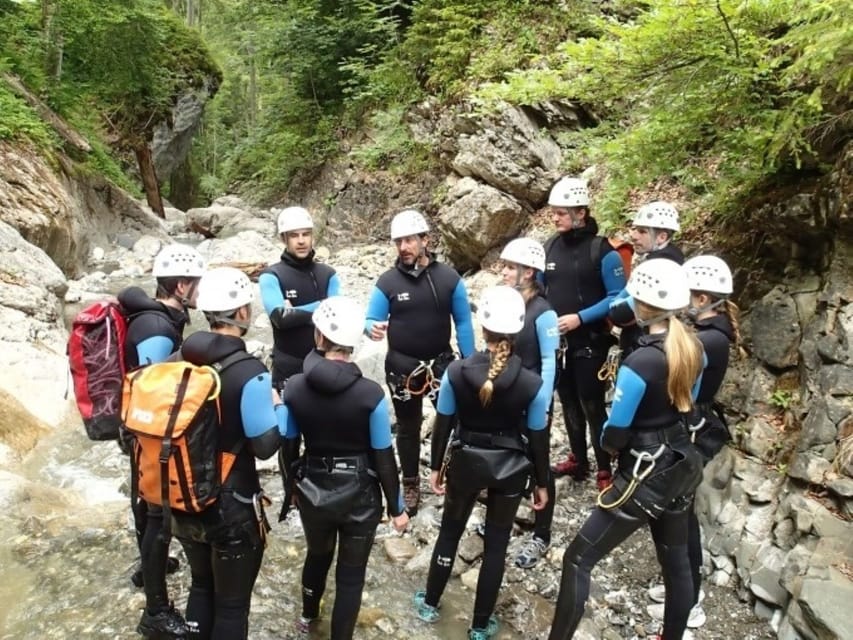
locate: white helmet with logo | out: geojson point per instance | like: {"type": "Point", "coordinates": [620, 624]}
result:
{"type": "Point", "coordinates": [293, 218]}
{"type": "Point", "coordinates": [526, 252]}
{"type": "Point", "coordinates": [657, 215]}
{"type": "Point", "coordinates": [569, 192]}
{"type": "Point", "coordinates": [224, 289]}
{"type": "Point", "coordinates": [501, 310]}
{"type": "Point", "coordinates": [660, 283]}
{"type": "Point", "coordinates": [178, 260]}
{"type": "Point", "coordinates": [340, 319]}
{"type": "Point", "coordinates": [408, 223]}
{"type": "Point", "coordinates": [710, 274]}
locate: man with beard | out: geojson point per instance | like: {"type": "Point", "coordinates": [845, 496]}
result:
{"type": "Point", "coordinates": [413, 303]}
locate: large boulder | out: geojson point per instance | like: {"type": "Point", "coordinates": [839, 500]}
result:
{"type": "Point", "coordinates": [773, 329]}
{"type": "Point", "coordinates": [479, 218]}
{"type": "Point", "coordinates": [173, 138]}
{"type": "Point", "coordinates": [224, 221]}
{"type": "Point", "coordinates": [32, 334]}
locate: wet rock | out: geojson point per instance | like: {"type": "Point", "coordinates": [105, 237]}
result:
{"type": "Point", "coordinates": [760, 438]}
{"type": "Point", "coordinates": [469, 578]}
{"type": "Point", "coordinates": [399, 550]}
{"type": "Point", "coordinates": [818, 428]}
{"type": "Point", "coordinates": [470, 548]}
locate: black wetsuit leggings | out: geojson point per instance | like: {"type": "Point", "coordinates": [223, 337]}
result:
{"type": "Point", "coordinates": [153, 555]}
{"type": "Point", "coordinates": [409, 414]}
{"type": "Point", "coordinates": [224, 550]}
{"type": "Point", "coordinates": [354, 541]}
{"type": "Point", "coordinates": [582, 397]}
{"type": "Point", "coordinates": [544, 517]}
{"type": "Point", "coordinates": [603, 531]}
{"type": "Point", "coordinates": [500, 512]}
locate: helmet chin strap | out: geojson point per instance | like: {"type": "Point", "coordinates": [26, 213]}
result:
{"type": "Point", "coordinates": [654, 320]}
{"type": "Point", "coordinates": [695, 312]}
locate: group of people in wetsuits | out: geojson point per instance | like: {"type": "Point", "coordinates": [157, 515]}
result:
{"type": "Point", "coordinates": [547, 327]}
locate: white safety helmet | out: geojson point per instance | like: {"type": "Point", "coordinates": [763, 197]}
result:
{"type": "Point", "coordinates": [340, 319]}
{"type": "Point", "coordinates": [501, 310]}
{"type": "Point", "coordinates": [408, 223]}
{"type": "Point", "coordinates": [569, 192]}
{"type": "Point", "coordinates": [526, 252]}
{"type": "Point", "coordinates": [178, 260]}
{"type": "Point", "coordinates": [660, 283]}
{"type": "Point", "coordinates": [710, 274]}
{"type": "Point", "coordinates": [657, 215]}
{"type": "Point", "coordinates": [293, 218]}
{"type": "Point", "coordinates": [224, 289]}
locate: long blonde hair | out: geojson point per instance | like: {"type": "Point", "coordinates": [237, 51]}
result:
{"type": "Point", "coordinates": [683, 358]}
{"type": "Point", "coordinates": [497, 363]}
{"type": "Point", "coordinates": [731, 311]}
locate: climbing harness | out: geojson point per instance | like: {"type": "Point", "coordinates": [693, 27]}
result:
{"type": "Point", "coordinates": [608, 369]}
{"type": "Point", "coordinates": [637, 477]}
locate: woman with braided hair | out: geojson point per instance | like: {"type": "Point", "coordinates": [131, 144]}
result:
{"type": "Point", "coordinates": [497, 402]}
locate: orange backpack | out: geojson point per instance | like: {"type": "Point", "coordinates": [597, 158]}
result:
{"type": "Point", "coordinates": [172, 410]}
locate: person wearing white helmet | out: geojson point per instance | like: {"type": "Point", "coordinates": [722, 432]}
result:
{"type": "Point", "coordinates": [658, 466]}
{"type": "Point", "coordinates": [291, 290]}
{"type": "Point", "coordinates": [536, 344]}
{"type": "Point", "coordinates": [715, 318]}
{"type": "Point", "coordinates": [413, 303]}
{"type": "Point", "coordinates": [652, 229]}
{"type": "Point", "coordinates": [583, 273]}
{"type": "Point", "coordinates": [498, 403]}
{"type": "Point", "coordinates": [343, 419]}
{"type": "Point", "coordinates": [224, 544]}
{"type": "Point", "coordinates": [155, 330]}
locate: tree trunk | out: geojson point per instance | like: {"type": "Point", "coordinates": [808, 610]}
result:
{"type": "Point", "coordinates": [149, 179]}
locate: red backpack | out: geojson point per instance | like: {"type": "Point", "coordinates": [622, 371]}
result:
{"type": "Point", "coordinates": [96, 358]}
{"type": "Point", "coordinates": [623, 248]}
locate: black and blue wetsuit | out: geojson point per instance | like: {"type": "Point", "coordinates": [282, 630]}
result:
{"type": "Point", "coordinates": [343, 419]}
{"type": "Point", "coordinates": [642, 419]}
{"type": "Point", "coordinates": [621, 311]}
{"type": "Point", "coordinates": [224, 544]}
{"type": "Point", "coordinates": [575, 284]}
{"type": "Point", "coordinates": [519, 405]}
{"type": "Point", "coordinates": [154, 332]}
{"type": "Point", "coordinates": [303, 284]}
{"type": "Point", "coordinates": [418, 305]}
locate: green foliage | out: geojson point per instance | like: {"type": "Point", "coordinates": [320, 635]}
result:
{"type": "Point", "coordinates": [389, 143]}
{"type": "Point", "coordinates": [781, 399]}
{"type": "Point", "coordinates": [718, 96]}
{"type": "Point", "coordinates": [19, 122]}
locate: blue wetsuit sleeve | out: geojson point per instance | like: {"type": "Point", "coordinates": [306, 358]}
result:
{"type": "Point", "coordinates": [537, 411]}
{"type": "Point", "coordinates": [154, 349]}
{"type": "Point", "coordinates": [256, 407]}
{"type": "Point", "coordinates": [613, 279]}
{"type": "Point", "coordinates": [380, 426]}
{"type": "Point", "coordinates": [461, 311]}
{"type": "Point", "coordinates": [698, 384]}
{"type": "Point", "coordinates": [377, 309]}
{"type": "Point", "coordinates": [629, 392]}
{"type": "Point", "coordinates": [446, 397]}
{"type": "Point", "coordinates": [548, 337]}
{"type": "Point", "coordinates": [271, 295]}
{"type": "Point", "coordinates": [334, 287]}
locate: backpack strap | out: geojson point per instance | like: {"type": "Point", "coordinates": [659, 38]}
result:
{"type": "Point", "coordinates": [220, 366]}
{"type": "Point", "coordinates": [596, 252]}
{"type": "Point", "coordinates": [166, 452]}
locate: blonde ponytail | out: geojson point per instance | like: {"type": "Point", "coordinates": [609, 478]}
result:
{"type": "Point", "coordinates": [684, 363]}
{"type": "Point", "coordinates": [731, 311]}
{"type": "Point", "coordinates": [497, 363]}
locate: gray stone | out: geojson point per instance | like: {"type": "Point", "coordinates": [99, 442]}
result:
{"type": "Point", "coordinates": [818, 429]}
{"type": "Point", "coordinates": [470, 548]}
{"type": "Point", "coordinates": [797, 563]}
{"type": "Point", "coordinates": [808, 466]}
{"type": "Point", "coordinates": [478, 218]}
{"type": "Point", "coordinates": [173, 138]}
{"type": "Point", "coordinates": [827, 525]}
{"type": "Point", "coordinates": [836, 379]}
{"type": "Point", "coordinates": [759, 522]}
{"type": "Point", "coordinates": [787, 631]}
{"type": "Point", "coordinates": [773, 328]}
{"type": "Point", "coordinates": [760, 438]}
{"type": "Point", "coordinates": [841, 486]}
{"type": "Point", "coordinates": [765, 576]}
{"type": "Point", "coordinates": [399, 550]}
{"type": "Point", "coordinates": [826, 605]}
{"type": "Point", "coordinates": [783, 533]}
{"type": "Point", "coordinates": [469, 578]}
{"type": "Point", "coordinates": [763, 610]}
